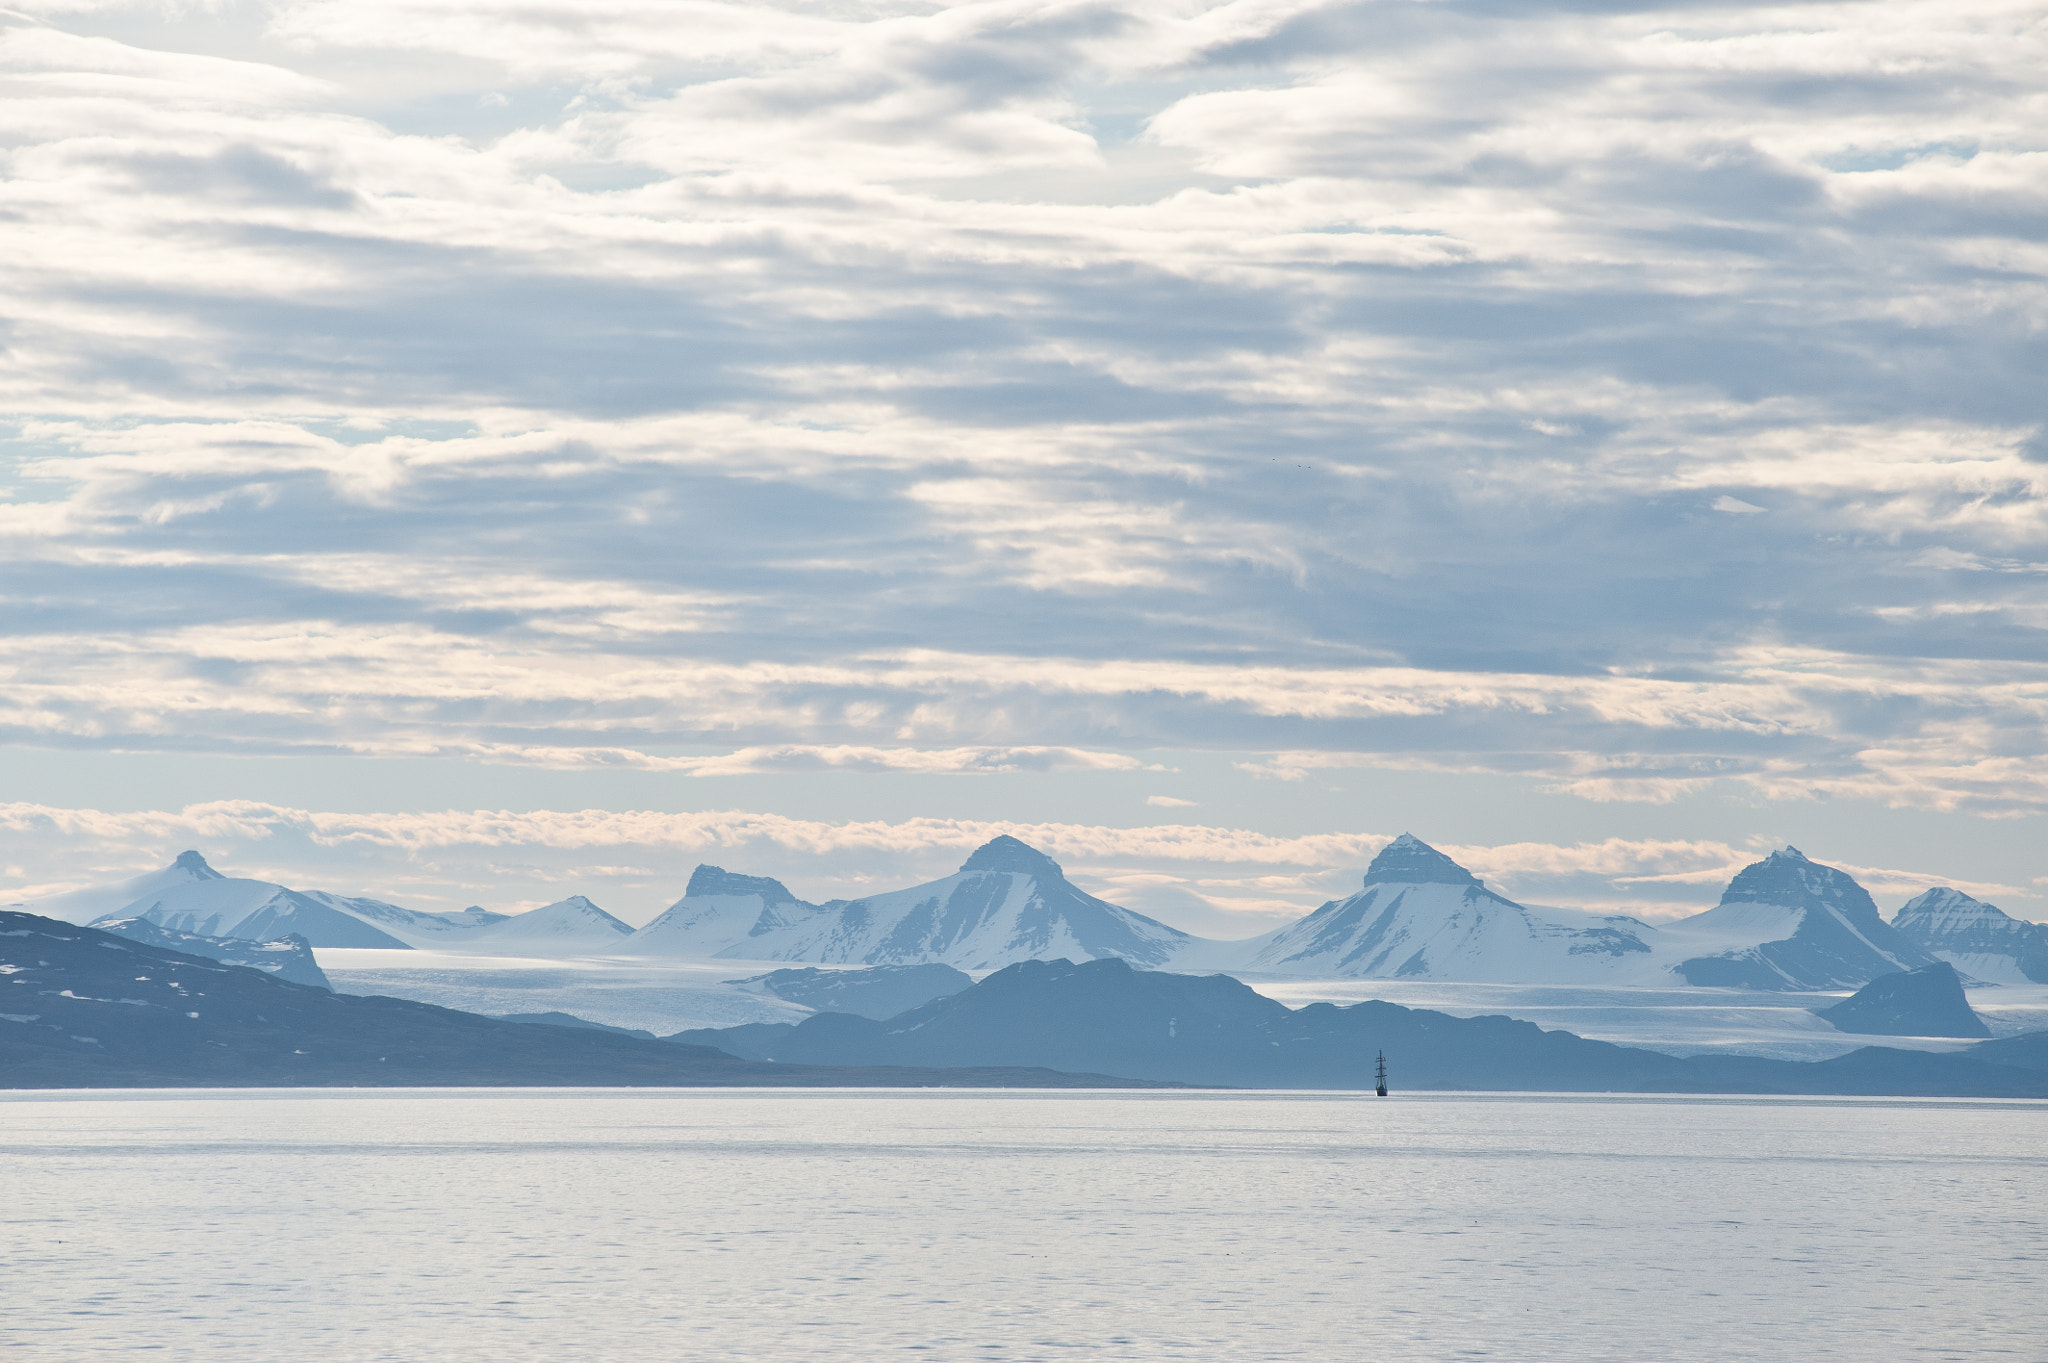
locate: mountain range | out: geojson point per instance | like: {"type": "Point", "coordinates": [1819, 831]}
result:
{"type": "Point", "coordinates": [1785, 923]}
{"type": "Point", "coordinates": [81, 1008]}
{"type": "Point", "coordinates": [190, 896]}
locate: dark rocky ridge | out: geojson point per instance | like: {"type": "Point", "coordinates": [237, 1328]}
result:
{"type": "Point", "coordinates": [1005, 853]}
{"type": "Point", "coordinates": [716, 880]}
{"type": "Point", "coordinates": [559, 1019]}
{"type": "Point", "coordinates": [193, 864]}
{"type": "Point", "coordinates": [1103, 1015]}
{"type": "Point", "coordinates": [288, 958]}
{"type": "Point", "coordinates": [880, 991]}
{"type": "Point", "coordinates": [1408, 860]}
{"type": "Point", "coordinates": [1924, 1002]}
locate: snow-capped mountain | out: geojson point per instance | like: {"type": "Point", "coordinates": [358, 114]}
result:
{"type": "Point", "coordinates": [190, 896]}
{"type": "Point", "coordinates": [1789, 923]}
{"type": "Point", "coordinates": [1007, 903]}
{"type": "Point", "coordinates": [82, 906]}
{"type": "Point", "coordinates": [567, 927]}
{"type": "Point", "coordinates": [1784, 923]}
{"type": "Point", "coordinates": [1421, 915]}
{"type": "Point", "coordinates": [719, 914]}
{"type": "Point", "coordinates": [1980, 939]}
{"type": "Point", "coordinates": [205, 902]}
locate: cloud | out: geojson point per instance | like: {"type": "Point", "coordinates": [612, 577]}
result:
{"type": "Point", "coordinates": [795, 757]}
{"type": "Point", "coordinates": [1035, 385]}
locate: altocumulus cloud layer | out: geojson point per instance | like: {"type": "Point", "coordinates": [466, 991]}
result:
{"type": "Point", "coordinates": [1632, 398]}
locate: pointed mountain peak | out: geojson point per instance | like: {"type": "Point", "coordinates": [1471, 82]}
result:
{"type": "Point", "coordinates": [1789, 871]}
{"type": "Point", "coordinates": [716, 880]}
{"type": "Point", "coordinates": [1944, 901]}
{"type": "Point", "coordinates": [576, 908]}
{"type": "Point", "coordinates": [1006, 853]}
{"type": "Point", "coordinates": [1791, 880]}
{"type": "Point", "coordinates": [1408, 860]}
{"type": "Point", "coordinates": [1941, 896]}
{"type": "Point", "coordinates": [195, 866]}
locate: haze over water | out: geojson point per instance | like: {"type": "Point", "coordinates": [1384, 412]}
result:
{"type": "Point", "coordinates": [810, 1224]}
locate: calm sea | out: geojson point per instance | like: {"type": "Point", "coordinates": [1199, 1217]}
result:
{"type": "Point", "coordinates": [687, 1225]}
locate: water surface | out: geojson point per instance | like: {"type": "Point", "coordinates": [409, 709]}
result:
{"type": "Point", "coordinates": [615, 1224]}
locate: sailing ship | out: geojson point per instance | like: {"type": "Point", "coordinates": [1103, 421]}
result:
{"type": "Point", "coordinates": [1381, 1089]}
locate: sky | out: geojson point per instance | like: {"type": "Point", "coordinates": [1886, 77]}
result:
{"type": "Point", "coordinates": [477, 451]}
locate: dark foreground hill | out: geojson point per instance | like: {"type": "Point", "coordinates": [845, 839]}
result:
{"type": "Point", "coordinates": [1926, 1002]}
{"type": "Point", "coordinates": [880, 991]}
{"type": "Point", "coordinates": [1105, 1016]}
{"type": "Point", "coordinates": [288, 958]}
{"type": "Point", "coordinates": [86, 1009]}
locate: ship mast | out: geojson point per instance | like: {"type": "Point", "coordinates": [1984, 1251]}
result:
{"type": "Point", "coordinates": [1382, 1075]}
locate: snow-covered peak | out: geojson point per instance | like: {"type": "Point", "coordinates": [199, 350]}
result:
{"type": "Point", "coordinates": [1009, 902]}
{"type": "Point", "coordinates": [84, 905]}
{"type": "Point", "coordinates": [716, 880]}
{"type": "Point", "coordinates": [1408, 860]}
{"type": "Point", "coordinates": [1982, 939]}
{"type": "Point", "coordinates": [576, 909]}
{"type": "Point", "coordinates": [1789, 880]}
{"type": "Point", "coordinates": [194, 865]}
{"type": "Point", "coordinates": [1006, 853]}
{"type": "Point", "coordinates": [721, 914]}
{"type": "Point", "coordinates": [1946, 908]}
{"type": "Point", "coordinates": [567, 925]}
{"type": "Point", "coordinates": [1807, 926]}
{"type": "Point", "coordinates": [1421, 915]}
